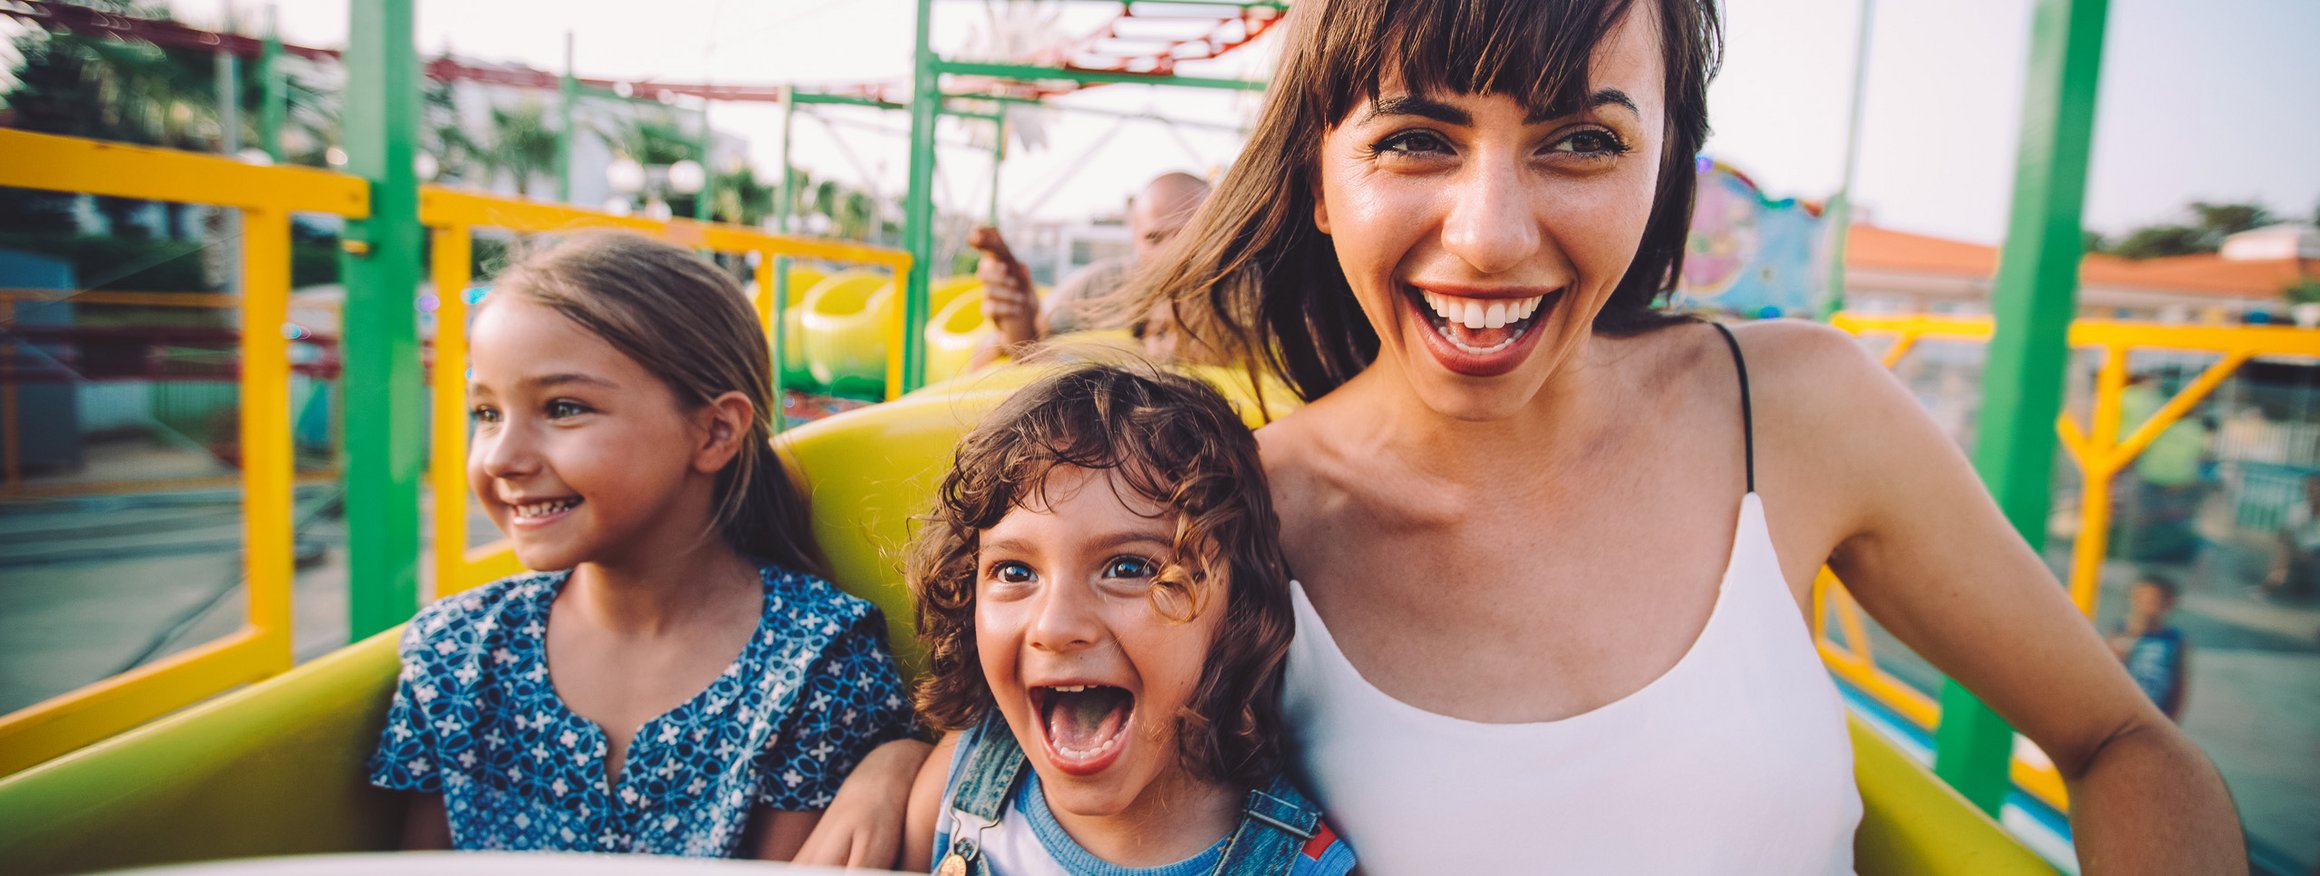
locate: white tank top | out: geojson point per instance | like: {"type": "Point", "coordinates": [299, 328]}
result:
{"type": "Point", "coordinates": [1736, 760]}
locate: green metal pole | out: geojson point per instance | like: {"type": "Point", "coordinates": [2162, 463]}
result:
{"type": "Point", "coordinates": [1035, 73]}
{"type": "Point", "coordinates": [2033, 301]}
{"type": "Point", "coordinates": [708, 174]}
{"type": "Point", "coordinates": [1840, 212]}
{"type": "Point", "coordinates": [567, 94]}
{"type": "Point", "coordinates": [386, 437]}
{"type": "Point", "coordinates": [781, 213]}
{"type": "Point", "coordinates": [918, 206]}
{"type": "Point", "coordinates": [998, 157]}
{"type": "Point", "coordinates": [272, 107]}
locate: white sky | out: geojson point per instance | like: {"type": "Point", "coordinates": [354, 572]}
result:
{"type": "Point", "coordinates": [2213, 100]}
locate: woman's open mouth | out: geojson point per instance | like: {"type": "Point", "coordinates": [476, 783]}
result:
{"type": "Point", "coordinates": [1480, 336]}
{"type": "Point", "coordinates": [1084, 727]}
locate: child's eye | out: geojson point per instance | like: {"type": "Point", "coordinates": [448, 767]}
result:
{"type": "Point", "coordinates": [483, 414]}
{"type": "Point", "coordinates": [1011, 572]}
{"type": "Point", "coordinates": [1131, 567]}
{"type": "Point", "coordinates": [562, 408]}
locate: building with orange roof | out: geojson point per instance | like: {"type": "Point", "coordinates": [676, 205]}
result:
{"type": "Point", "coordinates": [1896, 271]}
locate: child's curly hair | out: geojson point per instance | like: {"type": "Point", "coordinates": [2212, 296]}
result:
{"type": "Point", "coordinates": [1174, 440]}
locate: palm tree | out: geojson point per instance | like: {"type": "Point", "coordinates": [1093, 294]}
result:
{"type": "Point", "coordinates": [523, 144]}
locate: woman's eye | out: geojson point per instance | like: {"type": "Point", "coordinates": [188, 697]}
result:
{"type": "Point", "coordinates": [562, 408]}
{"type": "Point", "coordinates": [483, 414]}
{"type": "Point", "coordinates": [1589, 143]}
{"type": "Point", "coordinates": [1131, 567]}
{"type": "Point", "coordinates": [1411, 143]}
{"type": "Point", "coordinates": [1012, 573]}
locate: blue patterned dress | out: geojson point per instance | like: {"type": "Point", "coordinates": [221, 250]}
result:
{"type": "Point", "coordinates": [476, 719]}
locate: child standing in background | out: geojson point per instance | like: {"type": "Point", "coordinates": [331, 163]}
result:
{"type": "Point", "coordinates": [2154, 651]}
{"type": "Point", "coordinates": [682, 682]}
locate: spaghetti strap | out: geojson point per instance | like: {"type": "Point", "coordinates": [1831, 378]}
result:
{"type": "Point", "coordinates": [1747, 415]}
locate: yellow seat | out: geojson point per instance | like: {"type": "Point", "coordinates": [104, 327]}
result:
{"type": "Point", "coordinates": [278, 768]}
{"type": "Point", "coordinates": [843, 322]}
{"type": "Point", "coordinates": [794, 373]}
{"type": "Point", "coordinates": [951, 336]}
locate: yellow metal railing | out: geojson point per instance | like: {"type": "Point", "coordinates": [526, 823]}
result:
{"type": "Point", "coordinates": [452, 217]}
{"type": "Point", "coordinates": [265, 197]}
{"type": "Point", "coordinates": [12, 482]}
{"type": "Point", "coordinates": [2096, 448]}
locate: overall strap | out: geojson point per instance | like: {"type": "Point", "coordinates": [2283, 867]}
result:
{"type": "Point", "coordinates": [1276, 823]}
{"type": "Point", "coordinates": [994, 764]}
{"type": "Point", "coordinates": [1747, 414]}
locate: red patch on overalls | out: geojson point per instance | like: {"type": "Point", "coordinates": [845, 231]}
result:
{"type": "Point", "coordinates": [1322, 839]}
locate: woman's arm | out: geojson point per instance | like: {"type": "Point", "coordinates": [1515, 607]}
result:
{"type": "Point", "coordinates": [1921, 545]}
{"type": "Point", "coordinates": [863, 826]}
{"type": "Point", "coordinates": [426, 827]}
{"type": "Point", "coordinates": [777, 834]}
{"type": "Point", "coordinates": [925, 811]}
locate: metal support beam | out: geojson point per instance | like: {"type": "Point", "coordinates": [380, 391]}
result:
{"type": "Point", "coordinates": [998, 157]}
{"type": "Point", "coordinates": [1840, 213]}
{"type": "Point", "coordinates": [567, 94]}
{"type": "Point", "coordinates": [386, 438]}
{"type": "Point", "coordinates": [1034, 73]}
{"type": "Point", "coordinates": [2033, 301]}
{"type": "Point", "coordinates": [708, 190]}
{"type": "Point", "coordinates": [273, 107]}
{"type": "Point", "coordinates": [908, 370]}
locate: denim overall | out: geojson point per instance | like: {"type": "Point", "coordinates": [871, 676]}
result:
{"type": "Point", "coordinates": [1275, 822]}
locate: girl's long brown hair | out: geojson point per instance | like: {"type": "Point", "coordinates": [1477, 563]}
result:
{"type": "Point", "coordinates": [688, 323]}
{"type": "Point", "coordinates": [1175, 441]}
{"type": "Point", "coordinates": [1269, 283]}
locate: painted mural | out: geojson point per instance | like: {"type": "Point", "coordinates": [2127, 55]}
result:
{"type": "Point", "coordinates": [1748, 254]}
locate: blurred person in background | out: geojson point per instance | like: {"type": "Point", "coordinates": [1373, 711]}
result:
{"type": "Point", "coordinates": [2154, 651]}
{"type": "Point", "coordinates": [1020, 320]}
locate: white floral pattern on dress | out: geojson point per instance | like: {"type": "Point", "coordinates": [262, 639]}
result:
{"type": "Point", "coordinates": [475, 719]}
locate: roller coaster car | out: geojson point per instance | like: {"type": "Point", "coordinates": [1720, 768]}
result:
{"type": "Point", "coordinates": [277, 768]}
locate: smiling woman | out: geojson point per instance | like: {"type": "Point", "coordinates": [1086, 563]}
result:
{"type": "Point", "coordinates": [1557, 547]}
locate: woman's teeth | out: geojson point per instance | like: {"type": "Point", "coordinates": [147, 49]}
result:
{"type": "Point", "coordinates": [543, 509]}
{"type": "Point", "coordinates": [1477, 314]}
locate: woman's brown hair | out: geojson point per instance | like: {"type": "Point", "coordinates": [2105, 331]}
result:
{"type": "Point", "coordinates": [1175, 441]}
{"type": "Point", "coordinates": [1252, 257]}
{"type": "Point", "coordinates": [688, 323]}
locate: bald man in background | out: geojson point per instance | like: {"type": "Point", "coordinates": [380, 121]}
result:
{"type": "Point", "coordinates": [1020, 320]}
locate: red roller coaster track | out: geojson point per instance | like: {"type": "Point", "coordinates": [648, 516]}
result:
{"type": "Point", "coordinates": [1144, 38]}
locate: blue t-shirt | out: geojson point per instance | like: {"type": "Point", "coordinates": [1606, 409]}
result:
{"type": "Point", "coordinates": [476, 719]}
{"type": "Point", "coordinates": [2155, 660]}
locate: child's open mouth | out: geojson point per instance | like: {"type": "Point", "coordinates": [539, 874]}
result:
{"type": "Point", "coordinates": [1084, 726]}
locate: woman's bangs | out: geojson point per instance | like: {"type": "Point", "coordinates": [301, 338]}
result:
{"type": "Point", "coordinates": [1534, 52]}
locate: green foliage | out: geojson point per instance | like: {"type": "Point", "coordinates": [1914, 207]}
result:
{"type": "Point", "coordinates": [2155, 241]}
{"type": "Point", "coordinates": [2211, 223]}
{"type": "Point", "coordinates": [2304, 291]}
{"type": "Point", "coordinates": [523, 144]}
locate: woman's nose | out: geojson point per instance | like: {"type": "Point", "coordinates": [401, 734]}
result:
{"type": "Point", "coordinates": [1064, 618]}
{"type": "Point", "coordinates": [1490, 224]}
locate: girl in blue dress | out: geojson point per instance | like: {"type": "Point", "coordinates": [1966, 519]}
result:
{"type": "Point", "coordinates": [683, 683]}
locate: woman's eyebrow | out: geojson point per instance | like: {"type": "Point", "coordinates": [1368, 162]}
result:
{"type": "Point", "coordinates": [1413, 105]}
{"type": "Point", "coordinates": [1602, 97]}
